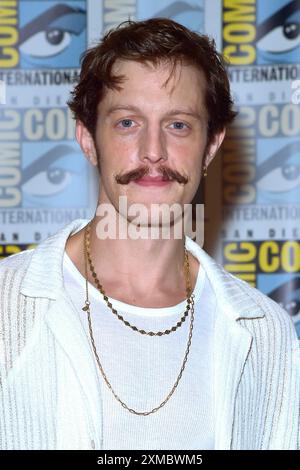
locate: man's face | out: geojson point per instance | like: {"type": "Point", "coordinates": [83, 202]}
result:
{"type": "Point", "coordinates": [152, 126]}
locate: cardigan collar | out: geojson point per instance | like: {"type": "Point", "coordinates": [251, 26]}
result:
{"type": "Point", "coordinates": [44, 275]}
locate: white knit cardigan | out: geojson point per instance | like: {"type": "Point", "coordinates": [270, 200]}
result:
{"type": "Point", "coordinates": [50, 386]}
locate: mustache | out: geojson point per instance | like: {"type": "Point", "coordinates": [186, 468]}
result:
{"type": "Point", "coordinates": [166, 173]}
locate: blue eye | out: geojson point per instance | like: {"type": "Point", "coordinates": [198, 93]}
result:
{"type": "Point", "coordinates": [126, 122]}
{"type": "Point", "coordinates": [178, 125]}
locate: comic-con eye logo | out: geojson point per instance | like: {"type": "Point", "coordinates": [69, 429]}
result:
{"type": "Point", "coordinates": [51, 36]}
{"type": "Point", "coordinates": [278, 32]}
{"type": "Point", "coordinates": [52, 174]}
{"type": "Point", "coordinates": [278, 175]}
{"type": "Point", "coordinates": [261, 32]}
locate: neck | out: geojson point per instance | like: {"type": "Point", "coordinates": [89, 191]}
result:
{"type": "Point", "coordinates": [139, 262]}
{"type": "Point", "coordinates": [135, 269]}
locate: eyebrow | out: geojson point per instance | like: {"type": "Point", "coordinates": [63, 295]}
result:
{"type": "Point", "coordinates": [172, 112]}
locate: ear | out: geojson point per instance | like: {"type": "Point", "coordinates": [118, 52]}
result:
{"type": "Point", "coordinates": [86, 142]}
{"type": "Point", "coordinates": [214, 146]}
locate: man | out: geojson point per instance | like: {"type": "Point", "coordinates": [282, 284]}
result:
{"type": "Point", "coordinates": [96, 351]}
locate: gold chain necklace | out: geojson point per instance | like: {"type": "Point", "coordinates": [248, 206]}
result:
{"type": "Point", "coordinates": [114, 311]}
{"type": "Point", "coordinates": [86, 308]}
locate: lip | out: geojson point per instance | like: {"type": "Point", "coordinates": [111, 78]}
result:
{"type": "Point", "coordinates": [152, 181]}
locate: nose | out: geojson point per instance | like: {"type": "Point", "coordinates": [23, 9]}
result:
{"type": "Point", "coordinates": [153, 145]}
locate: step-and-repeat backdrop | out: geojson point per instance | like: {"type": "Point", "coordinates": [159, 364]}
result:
{"type": "Point", "coordinates": [253, 225]}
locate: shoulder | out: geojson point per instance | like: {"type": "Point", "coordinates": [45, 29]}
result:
{"type": "Point", "coordinates": [240, 299]}
{"type": "Point", "coordinates": [16, 311]}
{"type": "Point", "coordinates": [12, 272]}
{"type": "Point", "coordinates": [16, 260]}
{"type": "Point", "coordinates": [268, 305]}
{"type": "Point", "coordinates": [15, 265]}
{"type": "Point", "coordinates": [276, 322]}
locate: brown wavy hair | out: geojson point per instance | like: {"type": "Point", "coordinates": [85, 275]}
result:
{"type": "Point", "coordinates": [155, 40]}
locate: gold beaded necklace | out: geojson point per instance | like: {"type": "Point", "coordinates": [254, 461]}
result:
{"type": "Point", "coordinates": [114, 311]}
{"type": "Point", "coordinates": [86, 308]}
